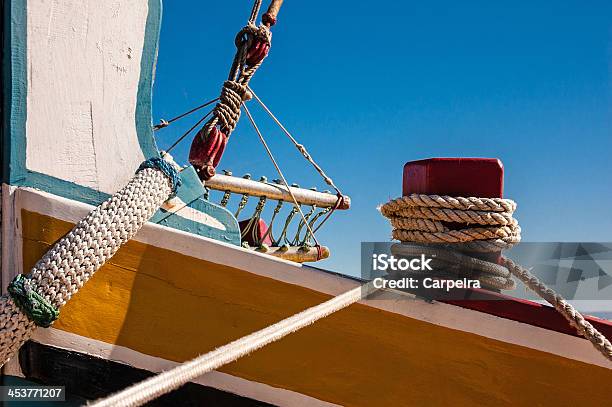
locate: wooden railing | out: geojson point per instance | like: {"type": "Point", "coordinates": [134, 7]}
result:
{"type": "Point", "coordinates": [294, 242]}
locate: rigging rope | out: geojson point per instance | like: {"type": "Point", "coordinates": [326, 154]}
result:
{"type": "Point", "coordinates": [488, 227]}
{"type": "Point", "coordinates": [308, 157]}
{"type": "Point", "coordinates": [165, 123]}
{"type": "Point", "coordinates": [35, 299]}
{"type": "Point", "coordinates": [299, 146]}
{"type": "Point", "coordinates": [280, 174]}
{"type": "Point", "coordinates": [252, 46]}
{"type": "Point", "coordinates": [188, 132]}
{"type": "Point", "coordinates": [165, 382]}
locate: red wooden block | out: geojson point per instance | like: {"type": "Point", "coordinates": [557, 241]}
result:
{"type": "Point", "coordinates": [258, 51]}
{"type": "Point", "coordinates": [481, 177]}
{"type": "Point", "coordinates": [255, 233]}
{"type": "Point", "coordinates": [206, 152]}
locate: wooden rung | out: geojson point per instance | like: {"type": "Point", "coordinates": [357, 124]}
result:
{"type": "Point", "coordinates": [277, 192]}
{"type": "Point", "coordinates": [297, 254]}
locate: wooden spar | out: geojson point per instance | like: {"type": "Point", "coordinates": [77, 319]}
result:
{"type": "Point", "coordinates": [297, 254]}
{"type": "Point", "coordinates": [277, 192]}
{"type": "Point", "coordinates": [269, 18]}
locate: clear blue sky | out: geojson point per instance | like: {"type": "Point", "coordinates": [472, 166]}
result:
{"type": "Point", "coordinates": [367, 86]}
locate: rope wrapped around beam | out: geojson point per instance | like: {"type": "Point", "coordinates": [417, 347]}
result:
{"type": "Point", "coordinates": [35, 299]}
{"type": "Point", "coordinates": [487, 225]}
{"type": "Point", "coordinates": [252, 46]}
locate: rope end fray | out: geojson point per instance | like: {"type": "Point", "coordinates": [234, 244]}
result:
{"type": "Point", "coordinates": [34, 305]}
{"type": "Point", "coordinates": [167, 168]}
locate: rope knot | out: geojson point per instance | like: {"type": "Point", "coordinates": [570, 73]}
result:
{"type": "Point", "coordinates": [168, 169]}
{"type": "Point", "coordinates": [253, 44]}
{"type": "Point", "coordinates": [250, 33]}
{"type": "Point", "coordinates": [34, 305]}
{"type": "Point", "coordinates": [227, 110]}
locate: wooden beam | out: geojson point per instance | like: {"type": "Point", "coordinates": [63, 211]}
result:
{"type": "Point", "coordinates": [297, 254]}
{"type": "Point", "coordinates": [269, 17]}
{"type": "Point", "coordinates": [277, 192]}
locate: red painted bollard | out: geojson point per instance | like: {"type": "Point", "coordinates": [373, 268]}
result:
{"type": "Point", "coordinates": [465, 177]}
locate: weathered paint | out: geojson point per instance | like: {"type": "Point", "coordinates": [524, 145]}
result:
{"type": "Point", "coordinates": [83, 71]}
{"type": "Point", "coordinates": [173, 306]}
{"type": "Point", "coordinates": [14, 84]}
{"type": "Point", "coordinates": [77, 115]}
{"type": "Point", "coordinates": [21, 61]}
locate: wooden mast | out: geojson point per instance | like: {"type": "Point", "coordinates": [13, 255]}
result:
{"type": "Point", "coordinates": [269, 17]}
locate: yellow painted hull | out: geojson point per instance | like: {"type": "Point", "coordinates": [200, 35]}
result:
{"type": "Point", "coordinates": [169, 305]}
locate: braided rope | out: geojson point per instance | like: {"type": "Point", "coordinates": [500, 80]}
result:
{"type": "Point", "coordinates": [74, 259]}
{"type": "Point", "coordinates": [490, 227]}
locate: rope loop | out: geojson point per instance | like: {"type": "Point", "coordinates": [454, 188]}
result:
{"type": "Point", "coordinates": [31, 303]}
{"type": "Point", "coordinates": [168, 169]}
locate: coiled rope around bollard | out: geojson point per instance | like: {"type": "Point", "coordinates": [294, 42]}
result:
{"type": "Point", "coordinates": [35, 299]}
{"type": "Point", "coordinates": [489, 227]}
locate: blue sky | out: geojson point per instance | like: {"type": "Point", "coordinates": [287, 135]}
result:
{"type": "Point", "coordinates": [367, 87]}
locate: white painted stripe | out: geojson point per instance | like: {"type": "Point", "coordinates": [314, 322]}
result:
{"type": "Point", "coordinates": [441, 314]}
{"type": "Point", "coordinates": [176, 205]}
{"type": "Point", "coordinates": [218, 380]}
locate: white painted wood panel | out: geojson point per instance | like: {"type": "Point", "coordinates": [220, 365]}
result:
{"type": "Point", "coordinates": [83, 74]}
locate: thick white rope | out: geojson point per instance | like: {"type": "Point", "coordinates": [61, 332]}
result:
{"type": "Point", "coordinates": [165, 382]}
{"type": "Point", "coordinates": [77, 256]}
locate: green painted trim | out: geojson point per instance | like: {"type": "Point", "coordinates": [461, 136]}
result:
{"type": "Point", "coordinates": [63, 188]}
{"type": "Point", "coordinates": [144, 97]}
{"type": "Point", "coordinates": [191, 192]}
{"type": "Point", "coordinates": [15, 85]}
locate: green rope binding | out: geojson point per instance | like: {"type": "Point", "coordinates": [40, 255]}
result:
{"type": "Point", "coordinates": [31, 303]}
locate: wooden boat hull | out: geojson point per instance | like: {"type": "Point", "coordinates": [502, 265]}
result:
{"type": "Point", "coordinates": [77, 124]}
{"type": "Point", "coordinates": [168, 297]}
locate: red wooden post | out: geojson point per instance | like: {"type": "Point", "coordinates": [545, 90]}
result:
{"type": "Point", "coordinates": [480, 177]}
{"type": "Point", "coordinates": [254, 233]}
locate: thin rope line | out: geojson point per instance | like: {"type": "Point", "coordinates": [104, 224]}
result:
{"type": "Point", "coordinates": [188, 131]}
{"type": "Point", "coordinates": [167, 381]}
{"type": "Point", "coordinates": [165, 123]}
{"type": "Point", "coordinates": [280, 173]}
{"type": "Point", "coordinates": [327, 179]}
{"type": "Point", "coordinates": [255, 11]}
